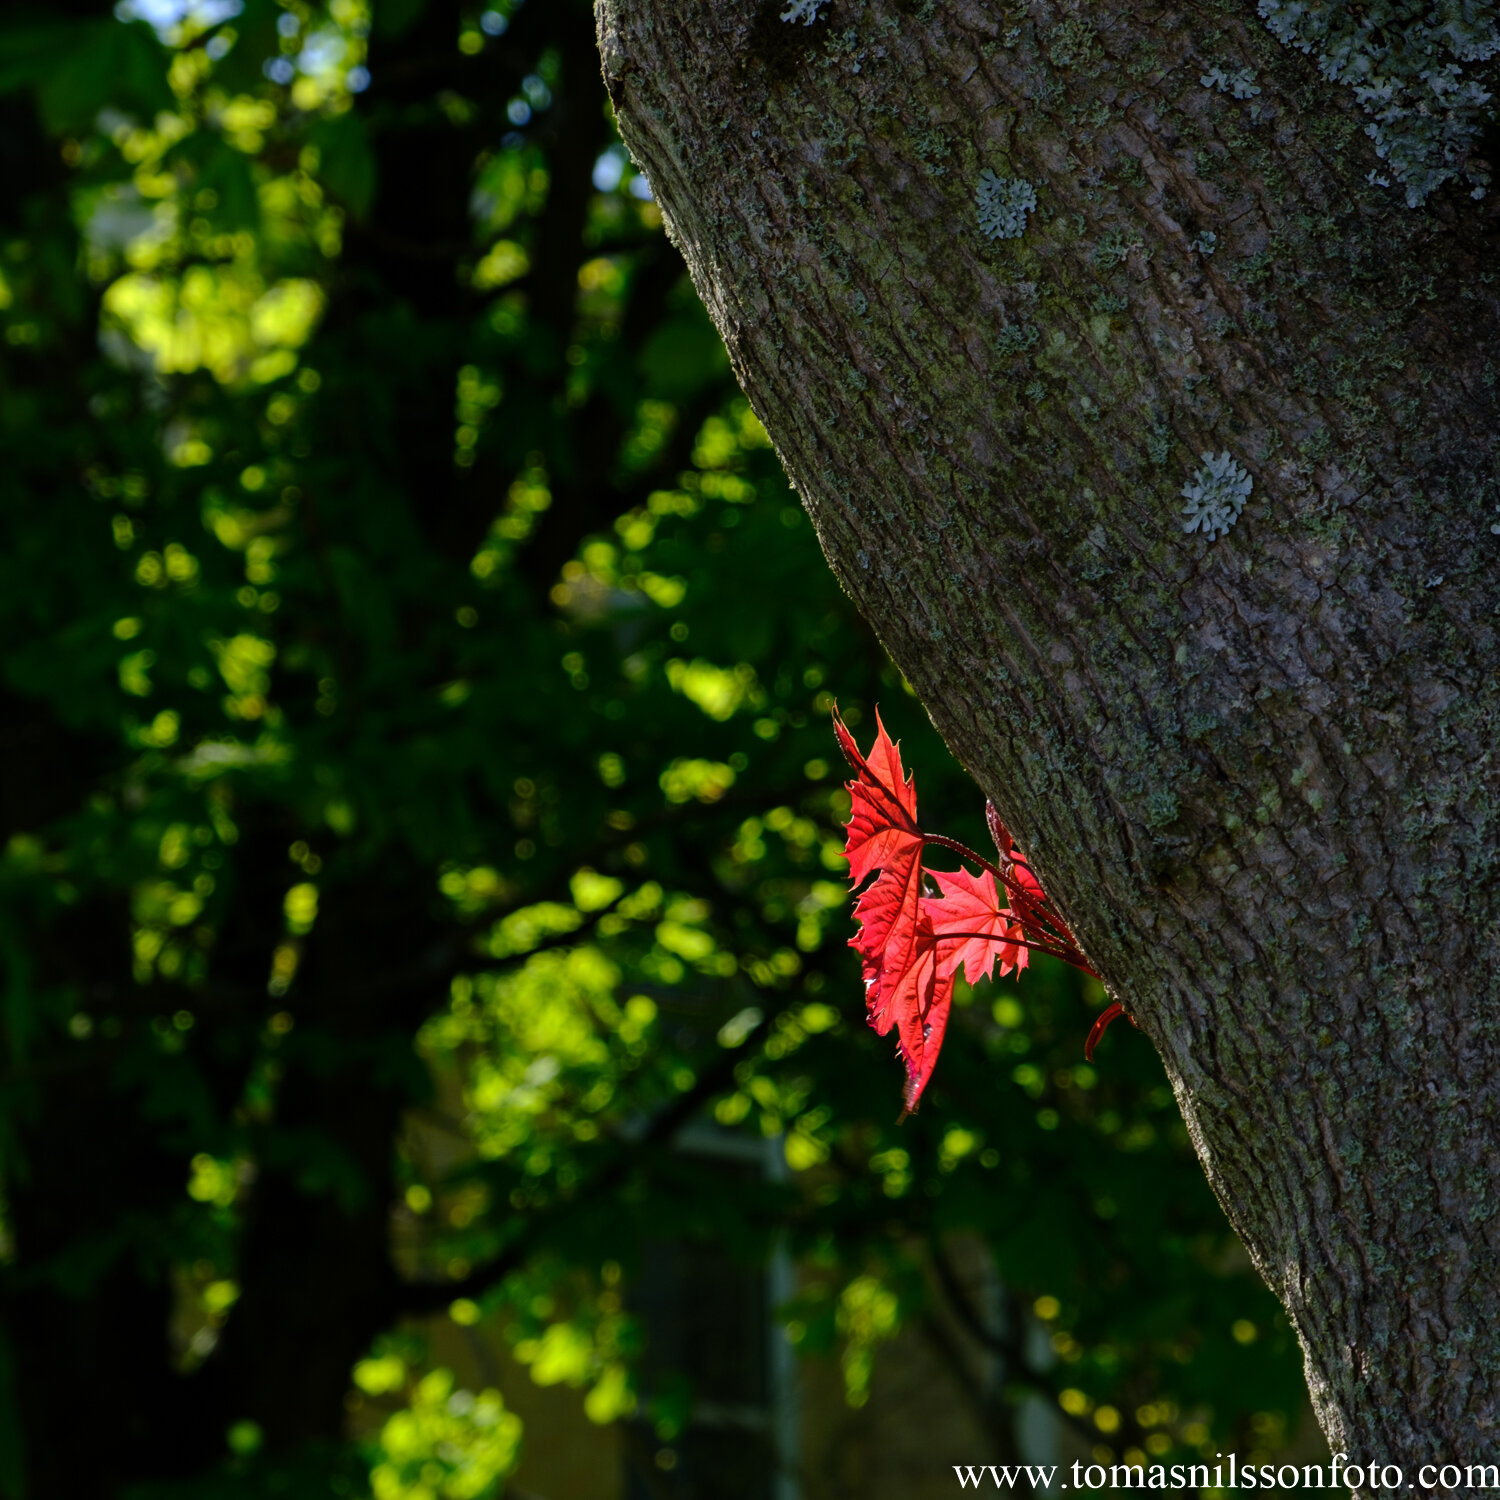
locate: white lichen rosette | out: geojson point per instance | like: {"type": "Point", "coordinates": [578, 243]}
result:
{"type": "Point", "coordinates": [1215, 496]}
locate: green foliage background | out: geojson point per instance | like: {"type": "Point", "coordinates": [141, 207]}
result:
{"type": "Point", "coordinates": [413, 729]}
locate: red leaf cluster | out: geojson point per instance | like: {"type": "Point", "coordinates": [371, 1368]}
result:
{"type": "Point", "coordinates": [911, 943]}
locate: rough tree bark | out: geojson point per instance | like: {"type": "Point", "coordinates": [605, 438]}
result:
{"type": "Point", "coordinates": [1257, 773]}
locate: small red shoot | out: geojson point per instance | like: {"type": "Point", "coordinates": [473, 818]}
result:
{"type": "Point", "coordinates": [1111, 1012]}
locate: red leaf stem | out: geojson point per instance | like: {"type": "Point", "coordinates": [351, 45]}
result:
{"type": "Point", "coordinates": [1066, 954]}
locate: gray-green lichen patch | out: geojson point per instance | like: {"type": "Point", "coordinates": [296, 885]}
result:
{"type": "Point", "coordinates": [1016, 338]}
{"type": "Point", "coordinates": [1002, 204]}
{"type": "Point", "coordinates": [1240, 84]}
{"type": "Point", "coordinates": [1405, 63]}
{"type": "Point", "coordinates": [1215, 496]}
{"type": "Point", "coordinates": [805, 11]}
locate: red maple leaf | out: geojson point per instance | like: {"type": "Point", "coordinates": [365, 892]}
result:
{"type": "Point", "coordinates": [914, 995]}
{"type": "Point", "coordinates": [883, 820]}
{"type": "Point", "coordinates": [896, 946]}
{"type": "Point", "coordinates": [911, 945]}
{"type": "Point", "coordinates": [979, 930]}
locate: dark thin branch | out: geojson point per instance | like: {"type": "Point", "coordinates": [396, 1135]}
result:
{"type": "Point", "coordinates": [994, 1417]}
{"type": "Point", "coordinates": [1020, 1375]}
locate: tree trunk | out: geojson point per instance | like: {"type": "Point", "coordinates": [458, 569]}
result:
{"type": "Point", "coordinates": [1255, 773]}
